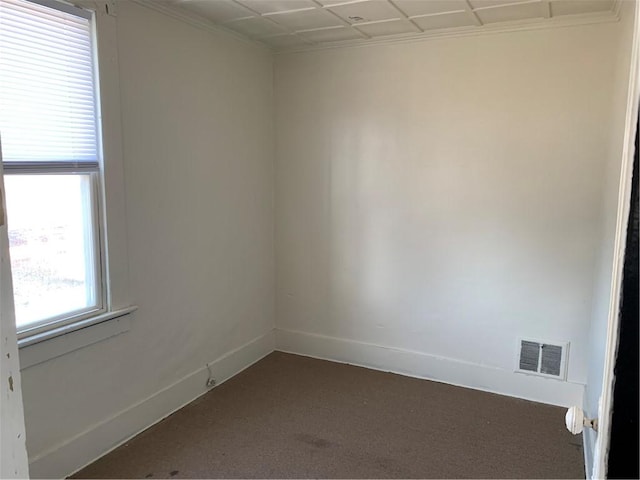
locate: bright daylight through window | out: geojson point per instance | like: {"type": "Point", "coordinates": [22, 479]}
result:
{"type": "Point", "coordinates": [51, 162]}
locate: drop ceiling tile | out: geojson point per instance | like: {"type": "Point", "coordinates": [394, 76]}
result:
{"type": "Point", "coordinates": [333, 2]}
{"type": "Point", "coordinates": [423, 7]}
{"type": "Point", "coordinates": [284, 41]}
{"type": "Point", "coordinates": [366, 11]}
{"type": "Point", "coordinates": [445, 20]}
{"type": "Point", "coordinates": [218, 11]}
{"type": "Point", "coordinates": [393, 27]}
{"type": "Point", "coordinates": [493, 3]}
{"type": "Point", "coordinates": [572, 7]}
{"type": "Point", "coordinates": [331, 34]}
{"type": "Point", "coordinates": [508, 13]}
{"type": "Point", "coordinates": [255, 27]}
{"type": "Point", "coordinates": [271, 6]}
{"type": "Point", "coordinates": [306, 19]}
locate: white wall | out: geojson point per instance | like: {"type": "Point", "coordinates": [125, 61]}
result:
{"type": "Point", "coordinates": [437, 200]}
{"type": "Point", "coordinates": [197, 115]}
{"type": "Point", "coordinates": [434, 201]}
{"type": "Point", "coordinates": [609, 206]}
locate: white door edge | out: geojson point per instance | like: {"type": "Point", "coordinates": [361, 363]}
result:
{"type": "Point", "coordinates": [605, 406]}
{"type": "Point", "coordinates": [13, 454]}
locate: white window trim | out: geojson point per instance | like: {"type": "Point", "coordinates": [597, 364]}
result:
{"type": "Point", "coordinates": [65, 339]}
{"type": "Point", "coordinates": [43, 346]}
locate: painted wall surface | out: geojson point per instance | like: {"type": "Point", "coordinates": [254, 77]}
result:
{"type": "Point", "coordinates": [197, 114]}
{"type": "Point", "coordinates": [439, 198]}
{"type": "Point", "coordinates": [444, 197]}
{"type": "Point", "coordinates": [609, 206]}
{"type": "Point", "coordinates": [13, 454]}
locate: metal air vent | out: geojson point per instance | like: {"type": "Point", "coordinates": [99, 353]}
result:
{"type": "Point", "coordinates": [543, 358]}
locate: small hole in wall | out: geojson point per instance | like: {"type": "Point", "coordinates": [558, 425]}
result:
{"type": "Point", "coordinates": [355, 18]}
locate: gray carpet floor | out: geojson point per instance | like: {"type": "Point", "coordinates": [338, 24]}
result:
{"type": "Point", "coordinates": [289, 416]}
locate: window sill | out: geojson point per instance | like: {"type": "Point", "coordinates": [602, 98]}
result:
{"type": "Point", "coordinates": [59, 341]}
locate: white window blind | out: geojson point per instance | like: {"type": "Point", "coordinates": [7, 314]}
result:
{"type": "Point", "coordinates": [47, 106]}
{"type": "Point", "coordinates": [50, 154]}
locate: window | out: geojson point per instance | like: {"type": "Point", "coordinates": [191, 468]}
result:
{"type": "Point", "coordinates": [51, 157]}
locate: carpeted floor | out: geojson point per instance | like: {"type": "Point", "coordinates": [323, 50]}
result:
{"type": "Point", "coordinates": [289, 416]}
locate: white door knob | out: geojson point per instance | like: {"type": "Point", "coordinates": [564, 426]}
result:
{"type": "Point", "coordinates": [576, 421]}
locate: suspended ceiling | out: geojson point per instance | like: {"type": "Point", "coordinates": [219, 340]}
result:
{"type": "Point", "coordinates": [295, 24]}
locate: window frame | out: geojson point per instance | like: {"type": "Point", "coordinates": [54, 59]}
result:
{"type": "Point", "coordinates": [98, 242]}
{"type": "Point", "coordinates": [108, 189]}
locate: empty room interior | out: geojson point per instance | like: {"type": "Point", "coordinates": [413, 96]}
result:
{"type": "Point", "coordinates": [313, 238]}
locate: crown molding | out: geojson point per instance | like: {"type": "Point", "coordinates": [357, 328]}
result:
{"type": "Point", "coordinates": [508, 27]}
{"type": "Point", "coordinates": [611, 16]}
{"type": "Point", "coordinates": [617, 5]}
{"type": "Point", "coordinates": [200, 22]}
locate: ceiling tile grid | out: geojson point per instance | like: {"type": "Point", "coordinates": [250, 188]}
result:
{"type": "Point", "coordinates": [387, 27]}
{"type": "Point", "coordinates": [290, 24]}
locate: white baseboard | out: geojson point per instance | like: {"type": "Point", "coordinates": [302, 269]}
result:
{"type": "Point", "coordinates": [79, 451]}
{"type": "Point", "coordinates": [82, 449]}
{"type": "Point", "coordinates": [431, 367]}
